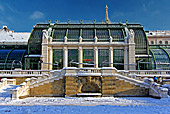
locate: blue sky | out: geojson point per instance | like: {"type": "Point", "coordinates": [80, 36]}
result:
{"type": "Point", "coordinates": [21, 15]}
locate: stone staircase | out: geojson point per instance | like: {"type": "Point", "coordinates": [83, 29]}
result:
{"type": "Point", "coordinates": [155, 90]}
{"type": "Point", "coordinates": [64, 82]}
{"type": "Point", "coordinates": [41, 86]}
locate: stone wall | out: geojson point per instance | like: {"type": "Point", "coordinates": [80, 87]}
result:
{"type": "Point", "coordinates": [111, 86]}
{"type": "Point", "coordinates": [20, 80]}
{"type": "Point", "coordinates": [50, 89]}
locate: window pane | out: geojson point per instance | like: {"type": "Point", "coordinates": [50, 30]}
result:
{"type": "Point", "coordinates": [88, 57]}
{"type": "Point", "coordinates": [73, 57]}
{"type": "Point", "coordinates": [73, 35]}
{"type": "Point", "coordinates": [117, 35]}
{"type": "Point", "coordinates": [88, 35]}
{"type": "Point", "coordinates": [102, 35]}
{"type": "Point", "coordinates": [103, 57]}
{"type": "Point", "coordinates": [118, 58]}
{"type": "Point", "coordinates": [59, 35]}
{"type": "Point", "coordinates": [57, 59]}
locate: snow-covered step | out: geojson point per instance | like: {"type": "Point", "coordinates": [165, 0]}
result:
{"type": "Point", "coordinates": [4, 90]}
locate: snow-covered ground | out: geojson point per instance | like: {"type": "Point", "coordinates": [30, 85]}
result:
{"type": "Point", "coordinates": [104, 105]}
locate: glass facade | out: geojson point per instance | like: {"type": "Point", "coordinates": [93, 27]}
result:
{"type": "Point", "coordinates": [88, 58]}
{"type": "Point", "coordinates": [4, 54]}
{"type": "Point", "coordinates": [15, 59]}
{"type": "Point", "coordinates": [73, 35]}
{"type": "Point", "coordinates": [117, 35]}
{"type": "Point", "coordinates": [103, 58]}
{"type": "Point", "coordinates": [35, 42]}
{"type": "Point", "coordinates": [88, 35]}
{"type": "Point", "coordinates": [118, 58]}
{"type": "Point", "coordinates": [102, 35]}
{"type": "Point", "coordinates": [34, 63]}
{"type": "Point", "coordinates": [141, 42]}
{"type": "Point", "coordinates": [73, 57]}
{"type": "Point", "coordinates": [57, 59]}
{"type": "Point", "coordinates": [161, 59]}
{"type": "Point", "coordinates": [59, 34]}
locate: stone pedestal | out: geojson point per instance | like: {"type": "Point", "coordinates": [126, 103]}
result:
{"type": "Point", "coordinates": [80, 54]}
{"type": "Point", "coordinates": [65, 57]}
{"type": "Point", "coordinates": [132, 61]}
{"type": "Point", "coordinates": [110, 57]}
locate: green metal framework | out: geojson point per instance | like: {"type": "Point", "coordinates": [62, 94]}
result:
{"type": "Point", "coordinates": [117, 35]}
{"type": "Point", "coordinates": [58, 35]}
{"type": "Point", "coordinates": [153, 59]}
{"type": "Point", "coordinates": [73, 35]}
{"type": "Point", "coordinates": [35, 42]}
{"type": "Point", "coordinates": [161, 59]}
{"type": "Point", "coordinates": [4, 55]}
{"type": "Point", "coordinates": [15, 57]}
{"type": "Point", "coordinates": [88, 35]}
{"type": "Point", "coordinates": [88, 32]}
{"type": "Point", "coordinates": [141, 41]}
{"type": "Point", "coordinates": [102, 35]}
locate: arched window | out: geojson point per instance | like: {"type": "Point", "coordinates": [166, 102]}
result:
{"type": "Point", "coordinates": [152, 42]}
{"type": "Point", "coordinates": [166, 42]}
{"type": "Point", "coordinates": [160, 42]}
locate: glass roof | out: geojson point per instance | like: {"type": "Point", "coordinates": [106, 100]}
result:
{"type": "Point", "coordinates": [161, 59]}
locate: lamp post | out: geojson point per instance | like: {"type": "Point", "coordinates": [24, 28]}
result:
{"type": "Point", "coordinates": [39, 62]}
{"type": "Point", "coordinates": [12, 64]}
{"type": "Point", "coordinates": [105, 61]}
{"type": "Point", "coordinates": [56, 63]}
{"type": "Point", "coordinates": [71, 62]}
{"type": "Point", "coordinates": [20, 64]}
{"type": "Point", "coordinates": [138, 63]}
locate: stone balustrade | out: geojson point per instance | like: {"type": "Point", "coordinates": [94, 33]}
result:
{"type": "Point", "coordinates": [156, 90]}
{"type": "Point", "coordinates": [20, 73]}
{"type": "Point", "coordinates": [5, 82]}
{"type": "Point", "coordinates": [151, 73]}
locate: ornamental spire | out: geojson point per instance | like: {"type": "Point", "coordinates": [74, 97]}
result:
{"type": "Point", "coordinates": [107, 17]}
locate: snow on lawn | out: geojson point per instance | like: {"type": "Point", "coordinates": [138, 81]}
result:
{"type": "Point", "coordinates": [89, 105]}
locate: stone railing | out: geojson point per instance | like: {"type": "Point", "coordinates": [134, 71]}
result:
{"type": "Point", "coordinates": [73, 71]}
{"type": "Point", "coordinates": [156, 90]}
{"type": "Point", "coordinates": [150, 73]}
{"type": "Point", "coordinates": [22, 72]}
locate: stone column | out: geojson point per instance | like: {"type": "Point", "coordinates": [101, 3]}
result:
{"type": "Point", "coordinates": [80, 51]}
{"type": "Point", "coordinates": [65, 57]}
{"type": "Point", "coordinates": [126, 58]}
{"type": "Point", "coordinates": [96, 57]}
{"type": "Point", "coordinates": [44, 57]}
{"type": "Point", "coordinates": [111, 56]}
{"type": "Point", "coordinates": [50, 58]}
{"type": "Point", "coordinates": [132, 60]}
{"type": "Point", "coordinates": [44, 51]}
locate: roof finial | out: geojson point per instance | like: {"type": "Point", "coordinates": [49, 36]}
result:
{"type": "Point", "coordinates": [107, 17]}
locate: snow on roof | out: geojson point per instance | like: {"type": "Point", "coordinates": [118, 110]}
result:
{"type": "Point", "coordinates": [7, 35]}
